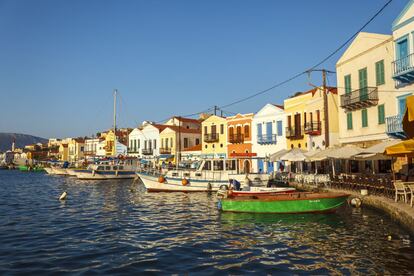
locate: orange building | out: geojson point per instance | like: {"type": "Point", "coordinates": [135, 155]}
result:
{"type": "Point", "coordinates": [239, 144]}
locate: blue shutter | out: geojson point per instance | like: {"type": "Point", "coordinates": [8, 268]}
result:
{"type": "Point", "coordinates": [259, 132]}
{"type": "Point", "coordinates": [279, 128]}
{"type": "Point", "coordinates": [269, 131]}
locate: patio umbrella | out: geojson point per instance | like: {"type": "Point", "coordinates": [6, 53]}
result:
{"type": "Point", "coordinates": [376, 152]}
{"type": "Point", "coordinates": [405, 148]}
{"type": "Point", "coordinates": [345, 152]}
{"type": "Point", "coordinates": [294, 155]}
{"type": "Point", "coordinates": [276, 156]}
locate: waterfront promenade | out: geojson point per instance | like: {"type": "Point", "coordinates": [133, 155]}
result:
{"type": "Point", "coordinates": [399, 211]}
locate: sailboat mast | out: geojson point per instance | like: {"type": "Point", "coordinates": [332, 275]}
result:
{"type": "Point", "coordinates": [115, 92]}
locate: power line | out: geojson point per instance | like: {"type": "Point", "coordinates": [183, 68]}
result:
{"type": "Point", "coordinates": [316, 65]}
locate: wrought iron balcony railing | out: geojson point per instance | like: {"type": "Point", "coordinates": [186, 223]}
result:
{"type": "Point", "coordinates": [133, 150]}
{"type": "Point", "coordinates": [211, 137]}
{"type": "Point", "coordinates": [147, 151]}
{"type": "Point", "coordinates": [267, 139]}
{"type": "Point", "coordinates": [237, 138]}
{"type": "Point", "coordinates": [165, 150]}
{"type": "Point", "coordinates": [403, 69]}
{"type": "Point", "coordinates": [294, 132]}
{"type": "Point", "coordinates": [313, 128]}
{"type": "Point", "coordinates": [394, 126]}
{"type": "Point", "coordinates": [360, 98]}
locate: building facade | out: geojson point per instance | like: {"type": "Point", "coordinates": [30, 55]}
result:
{"type": "Point", "coordinates": [268, 136]}
{"type": "Point", "coordinates": [239, 142]}
{"type": "Point", "coordinates": [366, 90]}
{"type": "Point", "coordinates": [214, 137]}
{"type": "Point", "coordinates": [76, 148]}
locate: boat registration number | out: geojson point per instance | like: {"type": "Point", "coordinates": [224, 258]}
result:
{"type": "Point", "coordinates": [314, 201]}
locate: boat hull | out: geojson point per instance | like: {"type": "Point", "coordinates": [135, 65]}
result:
{"type": "Point", "coordinates": [104, 175]}
{"type": "Point", "coordinates": [263, 191]}
{"type": "Point", "coordinates": [49, 170]}
{"type": "Point", "coordinates": [285, 204]}
{"type": "Point", "coordinates": [152, 184]}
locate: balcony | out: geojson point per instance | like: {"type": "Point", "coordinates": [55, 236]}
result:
{"type": "Point", "coordinates": [211, 137]}
{"type": "Point", "coordinates": [394, 127]}
{"type": "Point", "coordinates": [360, 98]}
{"type": "Point", "coordinates": [266, 139]}
{"type": "Point", "coordinates": [236, 138]}
{"type": "Point", "coordinates": [403, 69]}
{"type": "Point", "coordinates": [165, 150]}
{"type": "Point", "coordinates": [313, 128]}
{"type": "Point", "coordinates": [133, 150]}
{"type": "Point", "coordinates": [294, 133]}
{"type": "Point", "coordinates": [147, 151]}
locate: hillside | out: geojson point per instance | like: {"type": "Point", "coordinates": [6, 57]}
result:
{"type": "Point", "coordinates": [6, 140]}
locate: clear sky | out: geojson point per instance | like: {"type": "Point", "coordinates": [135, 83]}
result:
{"type": "Point", "coordinates": [60, 60]}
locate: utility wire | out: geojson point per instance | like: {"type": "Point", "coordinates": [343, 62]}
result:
{"type": "Point", "coordinates": [316, 65]}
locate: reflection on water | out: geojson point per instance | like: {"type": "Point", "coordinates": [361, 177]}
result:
{"type": "Point", "coordinates": [115, 227]}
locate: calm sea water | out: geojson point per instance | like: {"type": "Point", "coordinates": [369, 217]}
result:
{"type": "Point", "coordinates": [117, 228]}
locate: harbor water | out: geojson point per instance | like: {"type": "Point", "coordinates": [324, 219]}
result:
{"type": "Point", "coordinates": [115, 227]}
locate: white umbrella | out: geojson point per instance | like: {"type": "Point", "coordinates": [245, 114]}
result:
{"type": "Point", "coordinates": [294, 155]}
{"type": "Point", "coordinates": [345, 152]}
{"type": "Point", "coordinates": [376, 152]}
{"type": "Point", "coordinates": [276, 156]}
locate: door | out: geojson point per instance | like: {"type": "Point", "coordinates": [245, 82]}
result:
{"type": "Point", "coordinates": [363, 84]}
{"type": "Point", "coordinates": [402, 54]}
{"type": "Point", "coordinates": [402, 105]}
{"type": "Point", "coordinates": [297, 125]}
{"type": "Point", "coordinates": [260, 165]}
{"type": "Point", "coordinates": [270, 167]}
{"type": "Point", "coordinates": [246, 166]}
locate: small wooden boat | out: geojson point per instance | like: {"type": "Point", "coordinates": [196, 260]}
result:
{"type": "Point", "coordinates": [300, 202]}
{"type": "Point", "coordinates": [263, 191]}
{"type": "Point", "coordinates": [24, 168]}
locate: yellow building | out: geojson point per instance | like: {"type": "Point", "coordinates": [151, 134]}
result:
{"type": "Point", "coordinates": [76, 149]}
{"type": "Point", "coordinates": [63, 152]}
{"type": "Point", "coordinates": [214, 137]}
{"type": "Point", "coordinates": [305, 119]}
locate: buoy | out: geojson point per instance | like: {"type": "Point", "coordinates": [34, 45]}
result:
{"type": "Point", "coordinates": [356, 202]}
{"type": "Point", "coordinates": [184, 181]}
{"type": "Point", "coordinates": [63, 196]}
{"type": "Point", "coordinates": [161, 179]}
{"type": "Point", "coordinates": [389, 237]}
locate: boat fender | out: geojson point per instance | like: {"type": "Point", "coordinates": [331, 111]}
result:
{"type": "Point", "coordinates": [184, 181]}
{"type": "Point", "coordinates": [116, 173]}
{"type": "Point", "coordinates": [356, 202]}
{"type": "Point", "coordinates": [63, 196]}
{"type": "Point", "coordinates": [161, 179]}
{"type": "Point", "coordinates": [93, 172]}
{"type": "Point", "coordinates": [224, 187]}
{"type": "Point", "coordinates": [209, 187]}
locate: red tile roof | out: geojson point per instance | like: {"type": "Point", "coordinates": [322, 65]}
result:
{"type": "Point", "coordinates": [187, 120]}
{"type": "Point", "coordinates": [184, 130]}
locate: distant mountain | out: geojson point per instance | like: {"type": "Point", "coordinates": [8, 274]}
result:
{"type": "Point", "coordinates": [6, 140]}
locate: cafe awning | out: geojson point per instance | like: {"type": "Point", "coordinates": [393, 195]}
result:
{"type": "Point", "coordinates": [376, 152]}
{"type": "Point", "coordinates": [405, 148]}
{"type": "Point", "coordinates": [294, 155]}
{"type": "Point", "coordinates": [345, 152]}
{"type": "Point", "coordinates": [408, 119]}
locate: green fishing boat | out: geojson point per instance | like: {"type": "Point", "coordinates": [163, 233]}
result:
{"type": "Point", "coordinates": [301, 202]}
{"type": "Point", "coordinates": [24, 168]}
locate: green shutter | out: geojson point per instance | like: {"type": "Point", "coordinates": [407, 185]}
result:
{"type": "Point", "coordinates": [348, 84]}
{"type": "Point", "coordinates": [381, 114]}
{"type": "Point", "coordinates": [379, 72]}
{"type": "Point", "coordinates": [364, 115]}
{"type": "Point", "coordinates": [349, 120]}
{"type": "Point", "coordinates": [363, 84]}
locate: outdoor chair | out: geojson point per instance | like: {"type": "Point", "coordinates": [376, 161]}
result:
{"type": "Point", "coordinates": [410, 188]}
{"type": "Point", "coordinates": [400, 190]}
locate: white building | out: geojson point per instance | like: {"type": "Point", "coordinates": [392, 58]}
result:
{"type": "Point", "coordinates": [268, 135]}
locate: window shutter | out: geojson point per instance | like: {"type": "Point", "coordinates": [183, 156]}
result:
{"type": "Point", "coordinates": [349, 120]}
{"type": "Point", "coordinates": [381, 114]}
{"type": "Point", "coordinates": [364, 116]}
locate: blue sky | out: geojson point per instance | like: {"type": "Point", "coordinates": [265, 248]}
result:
{"type": "Point", "coordinates": [60, 60]}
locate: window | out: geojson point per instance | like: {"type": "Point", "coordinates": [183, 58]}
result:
{"type": "Point", "coordinates": [221, 129]}
{"type": "Point", "coordinates": [279, 126]}
{"type": "Point", "coordinates": [185, 143]}
{"type": "Point", "coordinates": [347, 80]}
{"type": "Point", "coordinates": [205, 129]}
{"type": "Point", "coordinates": [363, 84]}
{"type": "Point", "coordinates": [139, 143]}
{"type": "Point", "coordinates": [381, 114]}
{"type": "Point", "coordinates": [246, 131]}
{"type": "Point", "coordinates": [207, 166]}
{"type": "Point", "coordinates": [379, 72]}
{"type": "Point", "coordinates": [218, 165]}
{"type": "Point", "coordinates": [155, 144]}
{"type": "Point", "coordinates": [349, 120]}
{"type": "Point", "coordinates": [197, 142]}
{"type": "Point", "coordinates": [364, 116]}
{"type": "Point", "coordinates": [145, 144]}
{"type": "Point", "coordinates": [231, 165]}
{"type": "Point", "coordinates": [269, 130]}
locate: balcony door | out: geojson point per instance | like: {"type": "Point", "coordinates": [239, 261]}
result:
{"type": "Point", "coordinates": [402, 54]}
{"type": "Point", "coordinates": [363, 84]}
{"type": "Point", "coordinates": [213, 132]}
{"type": "Point", "coordinates": [297, 125]}
{"type": "Point", "coordinates": [269, 131]}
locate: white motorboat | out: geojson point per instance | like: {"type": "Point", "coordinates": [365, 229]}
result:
{"type": "Point", "coordinates": [108, 170]}
{"type": "Point", "coordinates": [210, 175]}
